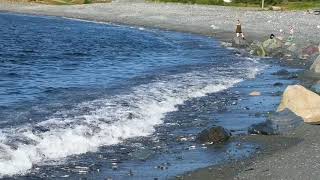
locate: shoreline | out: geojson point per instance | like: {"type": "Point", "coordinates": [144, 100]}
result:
{"type": "Point", "coordinates": [275, 146]}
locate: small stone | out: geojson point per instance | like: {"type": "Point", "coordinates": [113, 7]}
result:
{"type": "Point", "coordinates": [278, 84]}
{"type": "Point", "coordinates": [255, 93]}
{"type": "Point", "coordinates": [281, 72]}
{"type": "Point", "coordinates": [214, 135]}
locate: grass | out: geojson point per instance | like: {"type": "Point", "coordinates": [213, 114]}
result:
{"type": "Point", "coordinates": [287, 6]}
{"type": "Point", "coordinates": [64, 2]}
{"type": "Point", "coordinates": [301, 5]}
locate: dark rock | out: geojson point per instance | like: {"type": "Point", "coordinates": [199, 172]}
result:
{"type": "Point", "coordinates": [278, 123]}
{"type": "Point", "coordinates": [278, 84]}
{"type": "Point", "coordinates": [315, 88]}
{"type": "Point", "coordinates": [278, 93]}
{"type": "Point", "coordinates": [215, 135]}
{"type": "Point", "coordinates": [315, 67]}
{"type": "Point", "coordinates": [293, 76]}
{"type": "Point", "coordinates": [282, 72]}
{"type": "Point", "coordinates": [257, 49]}
{"type": "Point", "coordinates": [239, 42]}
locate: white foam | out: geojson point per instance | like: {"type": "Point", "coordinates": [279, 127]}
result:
{"type": "Point", "coordinates": [112, 120]}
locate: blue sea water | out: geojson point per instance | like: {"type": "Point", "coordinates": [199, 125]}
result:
{"type": "Point", "coordinates": [72, 92]}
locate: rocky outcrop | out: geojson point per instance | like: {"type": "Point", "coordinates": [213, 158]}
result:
{"type": "Point", "coordinates": [315, 88]}
{"type": "Point", "coordinates": [315, 67]}
{"type": "Point", "coordinates": [239, 42]}
{"type": "Point", "coordinates": [279, 123]}
{"type": "Point", "coordinates": [302, 102]}
{"type": "Point", "coordinates": [214, 135]}
{"type": "Point", "coordinates": [256, 48]}
{"type": "Point", "coordinates": [271, 46]}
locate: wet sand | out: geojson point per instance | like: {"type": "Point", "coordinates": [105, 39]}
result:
{"type": "Point", "coordinates": [295, 156]}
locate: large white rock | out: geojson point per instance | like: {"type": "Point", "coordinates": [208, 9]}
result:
{"type": "Point", "coordinates": [302, 102]}
{"type": "Point", "coordinates": [315, 67]}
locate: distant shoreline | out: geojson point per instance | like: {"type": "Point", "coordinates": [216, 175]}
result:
{"type": "Point", "coordinates": [197, 19]}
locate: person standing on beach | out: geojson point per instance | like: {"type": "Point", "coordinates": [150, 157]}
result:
{"type": "Point", "coordinates": [239, 30]}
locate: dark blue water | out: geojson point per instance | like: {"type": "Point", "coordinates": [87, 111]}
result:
{"type": "Point", "coordinates": [72, 90]}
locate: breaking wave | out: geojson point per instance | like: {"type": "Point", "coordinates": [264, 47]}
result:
{"type": "Point", "coordinates": [109, 120]}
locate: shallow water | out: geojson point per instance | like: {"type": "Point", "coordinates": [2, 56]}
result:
{"type": "Point", "coordinates": [78, 99]}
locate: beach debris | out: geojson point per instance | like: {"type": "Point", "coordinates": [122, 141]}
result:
{"type": "Point", "coordinates": [255, 93]}
{"type": "Point", "coordinates": [277, 123]}
{"type": "Point", "coordinates": [302, 102]}
{"type": "Point", "coordinates": [315, 67]}
{"type": "Point", "coordinates": [214, 135]}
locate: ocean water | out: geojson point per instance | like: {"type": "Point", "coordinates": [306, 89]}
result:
{"type": "Point", "coordinates": [81, 99]}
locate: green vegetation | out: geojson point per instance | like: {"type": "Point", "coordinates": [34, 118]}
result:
{"type": "Point", "coordinates": [285, 4]}
{"type": "Point", "coordinates": [302, 5]}
{"type": "Point", "coordinates": [68, 2]}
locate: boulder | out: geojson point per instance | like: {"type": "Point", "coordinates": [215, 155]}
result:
{"type": "Point", "coordinates": [310, 50]}
{"type": "Point", "coordinates": [302, 102]}
{"type": "Point", "coordinates": [315, 88]}
{"type": "Point", "coordinates": [255, 93]}
{"type": "Point", "coordinates": [257, 49]}
{"type": "Point", "coordinates": [239, 42]}
{"type": "Point", "coordinates": [278, 123]}
{"type": "Point", "coordinates": [315, 67]}
{"type": "Point", "coordinates": [271, 45]}
{"type": "Point", "coordinates": [214, 135]}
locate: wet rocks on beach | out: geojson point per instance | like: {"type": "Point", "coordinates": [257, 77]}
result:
{"type": "Point", "coordinates": [278, 123]}
{"type": "Point", "coordinates": [315, 67]}
{"type": "Point", "coordinates": [214, 135]}
{"type": "Point", "coordinates": [302, 102]}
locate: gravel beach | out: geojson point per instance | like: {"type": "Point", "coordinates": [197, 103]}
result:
{"type": "Point", "coordinates": [294, 156]}
{"type": "Point", "coordinates": [208, 20]}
